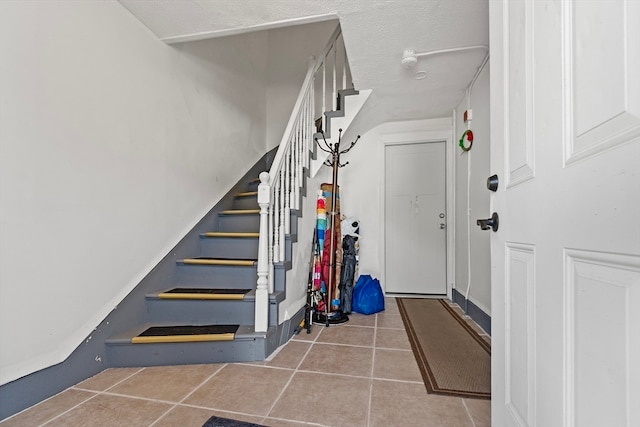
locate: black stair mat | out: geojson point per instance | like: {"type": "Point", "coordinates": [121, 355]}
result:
{"type": "Point", "coordinates": [161, 331]}
{"type": "Point", "coordinates": [207, 291]}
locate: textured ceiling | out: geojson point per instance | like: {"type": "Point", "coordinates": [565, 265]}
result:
{"type": "Point", "coordinates": [375, 33]}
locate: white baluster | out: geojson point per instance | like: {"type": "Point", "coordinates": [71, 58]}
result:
{"type": "Point", "coordinates": [271, 243]}
{"type": "Point", "coordinates": [292, 168]}
{"type": "Point", "coordinates": [344, 67]}
{"type": "Point", "coordinates": [295, 161]}
{"type": "Point", "coordinates": [262, 291]}
{"type": "Point", "coordinates": [276, 221]}
{"type": "Point", "coordinates": [324, 94]}
{"type": "Point", "coordinates": [312, 128]}
{"type": "Point", "coordinates": [334, 97]}
{"type": "Point", "coordinates": [287, 192]}
{"type": "Point", "coordinates": [282, 216]}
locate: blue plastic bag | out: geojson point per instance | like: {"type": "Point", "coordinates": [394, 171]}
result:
{"type": "Point", "coordinates": [367, 295]}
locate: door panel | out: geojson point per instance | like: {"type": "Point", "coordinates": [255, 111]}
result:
{"type": "Point", "coordinates": [565, 132]}
{"type": "Point", "coordinates": [415, 248]}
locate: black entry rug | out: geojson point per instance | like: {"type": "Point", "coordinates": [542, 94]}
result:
{"type": "Point", "coordinates": [227, 422]}
{"type": "Point", "coordinates": [453, 359]}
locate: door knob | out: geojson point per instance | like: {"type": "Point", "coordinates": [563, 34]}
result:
{"type": "Point", "coordinates": [489, 223]}
{"type": "Point", "coordinates": [492, 183]}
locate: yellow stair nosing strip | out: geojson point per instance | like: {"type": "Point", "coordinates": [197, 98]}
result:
{"type": "Point", "coordinates": [183, 338]}
{"type": "Point", "coordinates": [235, 262]}
{"type": "Point", "coordinates": [241, 211]}
{"type": "Point", "coordinates": [201, 296]}
{"type": "Point", "coordinates": [229, 234]}
{"type": "Point", "coordinates": [247, 194]}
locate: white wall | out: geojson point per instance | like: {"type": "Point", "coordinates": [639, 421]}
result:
{"type": "Point", "coordinates": [478, 290]}
{"type": "Point", "coordinates": [289, 51]}
{"type": "Point", "coordinates": [112, 146]}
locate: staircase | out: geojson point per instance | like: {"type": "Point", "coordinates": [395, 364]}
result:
{"type": "Point", "coordinates": [207, 314]}
{"type": "Point", "coordinates": [220, 303]}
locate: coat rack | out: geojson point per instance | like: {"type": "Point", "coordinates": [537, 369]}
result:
{"type": "Point", "coordinates": [334, 162]}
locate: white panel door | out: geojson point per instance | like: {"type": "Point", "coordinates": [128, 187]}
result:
{"type": "Point", "coordinates": [415, 218]}
{"type": "Point", "coordinates": [565, 133]}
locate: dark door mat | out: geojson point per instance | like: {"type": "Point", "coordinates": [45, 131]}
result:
{"type": "Point", "coordinates": [227, 422]}
{"type": "Point", "coordinates": [186, 333]}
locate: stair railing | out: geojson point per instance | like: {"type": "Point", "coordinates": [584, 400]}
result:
{"type": "Point", "coordinates": [279, 189]}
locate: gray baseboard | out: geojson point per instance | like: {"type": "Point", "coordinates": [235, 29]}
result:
{"type": "Point", "coordinates": [473, 311]}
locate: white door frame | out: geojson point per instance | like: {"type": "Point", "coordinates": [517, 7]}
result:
{"type": "Point", "coordinates": [418, 137]}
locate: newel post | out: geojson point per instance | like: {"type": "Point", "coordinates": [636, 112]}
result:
{"type": "Point", "coordinates": [262, 291]}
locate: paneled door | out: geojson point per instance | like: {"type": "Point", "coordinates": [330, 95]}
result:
{"type": "Point", "coordinates": [565, 131]}
{"type": "Point", "coordinates": [415, 220]}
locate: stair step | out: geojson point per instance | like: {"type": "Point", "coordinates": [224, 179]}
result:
{"type": "Point", "coordinates": [188, 308]}
{"type": "Point", "coordinates": [253, 184]}
{"type": "Point", "coordinates": [186, 333]}
{"type": "Point", "coordinates": [246, 201]}
{"type": "Point", "coordinates": [219, 261]}
{"type": "Point", "coordinates": [241, 212]}
{"type": "Point", "coordinates": [238, 245]}
{"type": "Point", "coordinates": [247, 194]}
{"type": "Point", "coordinates": [246, 346]}
{"type": "Point", "coordinates": [215, 275]}
{"type": "Point", "coordinates": [239, 220]}
{"type": "Point", "coordinates": [204, 294]}
{"type": "Point", "coordinates": [229, 234]}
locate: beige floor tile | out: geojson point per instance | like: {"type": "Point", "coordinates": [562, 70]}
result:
{"type": "Point", "coordinates": [390, 306]}
{"type": "Point", "coordinates": [304, 336]}
{"type": "Point", "coordinates": [392, 338]}
{"type": "Point", "coordinates": [480, 411]}
{"type": "Point", "coordinates": [357, 319]}
{"type": "Point", "coordinates": [388, 320]}
{"type": "Point", "coordinates": [48, 409]}
{"type": "Point", "coordinates": [272, 422]}
{"type": "Point", "coordinates": [336, 400]}
{"type": "Point", "coordinates": [339, 359]}
{"type": "Point", "coordinates": [242, 388]}
{"type": "Point", "coordinates": [350, 335]}
{"type": "Point", "coordinates": [290, 355]}
{"type": "Point", "coordinates": [107, 410]}
{"type": "Point", "coordinates": [408, 404]}
{"type": "Point", "coordinates": [185, 416]}
{"type": "Point", "coordinates": [107, 379]}
{"type": "Point", "coordinates": [170, 383]}
{"type": "Point", "coordinates": [396, 365]}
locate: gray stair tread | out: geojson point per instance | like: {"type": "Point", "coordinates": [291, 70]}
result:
{"type": "Point", "coordinates": [229, 235]}
{"type": "Point", "coordinates": [244, 332]}
{"type": "Point", "coordinates": [240, 212]}
{"type": "Point", "coordinates": [248, 296]}
{"type": "Point", "coordinates": [227, 262]}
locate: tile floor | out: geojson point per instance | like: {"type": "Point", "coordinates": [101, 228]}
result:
{"type": "Point", "coordinates": [362, 373]}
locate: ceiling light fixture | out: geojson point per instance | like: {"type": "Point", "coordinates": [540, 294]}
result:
{"type": "Point", "coordinates": [410, 57]}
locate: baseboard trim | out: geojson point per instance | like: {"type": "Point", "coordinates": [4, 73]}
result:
{"type": "Point", "coordinates": [473, 311]}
